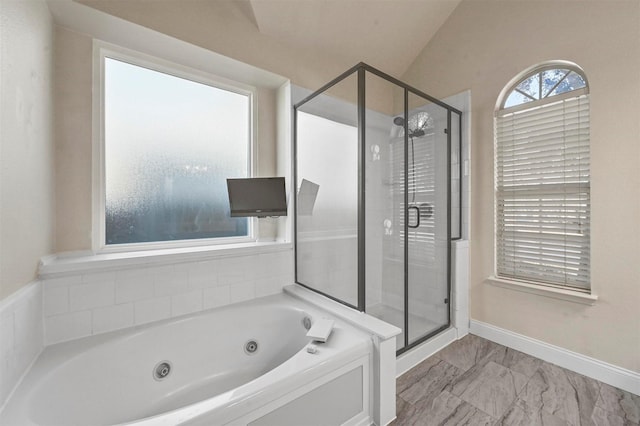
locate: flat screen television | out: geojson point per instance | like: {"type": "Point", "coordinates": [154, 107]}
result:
{"type": "Point", "coordinates": [261, 197]}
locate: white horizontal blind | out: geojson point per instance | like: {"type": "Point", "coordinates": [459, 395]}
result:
{"type": "Point", "coordinates": [542, 193]}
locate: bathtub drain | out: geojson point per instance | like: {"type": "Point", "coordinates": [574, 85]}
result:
{"type": "Point", "coordinates": [161, 370]}
{"type": "Point", "coordinates": [251, 347]}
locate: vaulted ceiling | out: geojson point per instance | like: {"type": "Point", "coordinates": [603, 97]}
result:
{"type": "Point", "coordinates": [388, 34]}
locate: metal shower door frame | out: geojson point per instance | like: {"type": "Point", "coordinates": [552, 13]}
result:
{"type": "Point", "coordinates": [361, 69]}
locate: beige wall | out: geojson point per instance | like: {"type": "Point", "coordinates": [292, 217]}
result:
{"type": "Point", "coordinates": [73, 132]}
{"type": "Point", "coordinates": [482, 47]}
{"type": "Point", "coordinates": [26, 142]}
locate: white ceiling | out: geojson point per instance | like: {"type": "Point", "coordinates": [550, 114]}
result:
{"type": "Point", "coordinates": [387, 34]}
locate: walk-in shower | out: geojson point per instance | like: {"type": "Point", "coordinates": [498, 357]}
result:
{"type": "Point", "coordinates": [374, 162]}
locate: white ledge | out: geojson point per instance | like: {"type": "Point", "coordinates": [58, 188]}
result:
{"type": "Point", "coordinates": [362, 320]}
{"type": "Point", "coordinates": [546, 291]}
{"type": "Point", "coordinates": [78, 262]}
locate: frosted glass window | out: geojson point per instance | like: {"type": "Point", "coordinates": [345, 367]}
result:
{"type": "Point", "coordinates": [170, 143]}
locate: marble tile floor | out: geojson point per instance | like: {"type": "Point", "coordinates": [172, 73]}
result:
{"type": "Point", "coordinates": [474, 381]}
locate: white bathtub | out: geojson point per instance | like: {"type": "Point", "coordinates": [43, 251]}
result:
{"type": "Point", "coordinates": [109, 379]}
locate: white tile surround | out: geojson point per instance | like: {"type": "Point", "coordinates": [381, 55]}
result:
{"type": "Point", "coordinates": [21, 335]}
{"type": "Point", "coordinates": [84, 303]}
{"type": "Point", "coordinates": [73, 301]}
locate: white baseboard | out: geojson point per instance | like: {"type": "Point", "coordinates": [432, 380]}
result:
{"type": "Point", "coordinates": [608, 373]}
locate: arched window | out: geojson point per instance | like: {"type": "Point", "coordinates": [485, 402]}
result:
{"type": "Point", "coordinates": [542, 178]}
{"type": "Point", "coordinates": [546, 84]}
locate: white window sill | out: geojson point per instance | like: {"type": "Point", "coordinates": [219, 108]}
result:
{"type": "Point", "coordinates": [78, 262]}
{"type": "Point", "coordinates": [540, 290]}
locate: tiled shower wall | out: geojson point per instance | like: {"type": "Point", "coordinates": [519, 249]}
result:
{"type": "Point", "coordinates": [84, 304]}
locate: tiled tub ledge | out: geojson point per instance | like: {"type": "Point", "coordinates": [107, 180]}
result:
{"type": "Point", "coordinates": [70, 263]}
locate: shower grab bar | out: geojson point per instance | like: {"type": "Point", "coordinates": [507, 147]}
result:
{"type": "Point", "coordinates": [417, 217]}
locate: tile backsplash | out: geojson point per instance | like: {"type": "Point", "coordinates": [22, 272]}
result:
{"type": "Point", "coordinates": [87, 303]}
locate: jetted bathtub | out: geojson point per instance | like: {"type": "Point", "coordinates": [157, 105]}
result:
{"type": "Point", "coordinates": [246, 363]}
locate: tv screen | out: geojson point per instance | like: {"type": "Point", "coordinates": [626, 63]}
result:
{"type": "Point", "coordinates": [259, 197]}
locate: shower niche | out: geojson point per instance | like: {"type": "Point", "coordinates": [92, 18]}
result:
{"type": "Point", "coordinates": [374, 161]}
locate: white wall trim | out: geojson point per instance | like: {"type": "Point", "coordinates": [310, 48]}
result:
{"type": "Point", "coordinates": [546, 291]}
{"type": "Point", "coordinates": [608, 373]}
{"type": "Point", "coordinates": [82, 262]}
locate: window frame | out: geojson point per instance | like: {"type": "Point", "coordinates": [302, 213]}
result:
{"type": "Point", "coordinates": [566, 292]}
{"type": "Point", "coordinates": [102, 50]}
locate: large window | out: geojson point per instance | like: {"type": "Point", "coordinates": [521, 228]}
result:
{"type": "Point", "coordinates": [542, 179]}
{"type": "Point", "coordinates": [170, 139]}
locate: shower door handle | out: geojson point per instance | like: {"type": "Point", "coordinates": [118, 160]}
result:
{"type": "Point", "coordinates": [417, 217]}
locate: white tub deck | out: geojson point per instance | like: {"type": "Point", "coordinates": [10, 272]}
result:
{"type": "Point", "coordinates": [107, 379]}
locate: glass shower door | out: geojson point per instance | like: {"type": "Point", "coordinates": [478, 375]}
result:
{"type": "Point", "coordinates": [385, 188]}
{"type": "Point", "coordinates": [407, 213]}
{"type": "Point", "coordinates": [428, 221]}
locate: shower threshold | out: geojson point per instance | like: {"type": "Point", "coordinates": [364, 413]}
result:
{"type": "Point", "coordinates": [421, 326]}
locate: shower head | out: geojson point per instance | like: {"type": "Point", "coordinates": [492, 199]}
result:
{"type": "Point", "coordinates": [417, 124]}
{"type": "Point", "coordinates": [399, 121]}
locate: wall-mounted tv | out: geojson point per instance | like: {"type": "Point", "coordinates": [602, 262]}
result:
{"type": "Point", "coordinates": [261, 197]}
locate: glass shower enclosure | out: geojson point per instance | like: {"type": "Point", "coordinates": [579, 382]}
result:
{"type": "Point", "coordinates": [374, 161]}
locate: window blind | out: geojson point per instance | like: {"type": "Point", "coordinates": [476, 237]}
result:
{"type": "Point", "coordinates": [542, 193]}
